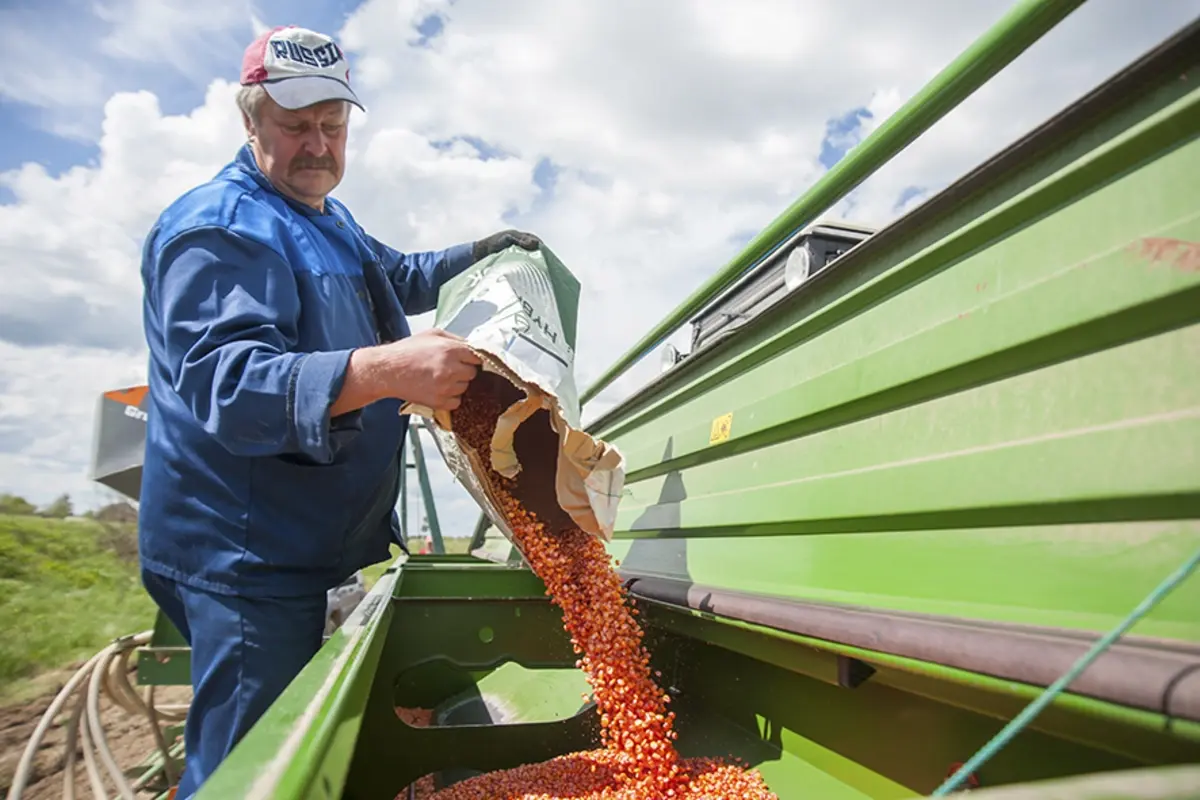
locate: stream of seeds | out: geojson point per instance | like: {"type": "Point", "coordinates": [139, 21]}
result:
{"type": "Point", "coordinates": [637, 760]}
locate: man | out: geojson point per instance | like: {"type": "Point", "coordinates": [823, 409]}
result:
{"type": "Point", "coordinates": [279, 354]}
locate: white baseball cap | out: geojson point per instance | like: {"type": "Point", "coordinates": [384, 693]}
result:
{"type": "Point", "coordinates": [298, 67]}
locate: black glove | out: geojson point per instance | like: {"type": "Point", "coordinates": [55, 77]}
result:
{"type": "Point", "coordinates": [504, 239]}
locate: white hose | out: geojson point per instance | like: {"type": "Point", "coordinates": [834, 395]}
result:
{"type": "Point", "coordinates": [97, 729]}
{"type": "Point", "coordinates": [25, 766]}
{"type": "Point", "coordinates": [107, 674]}
{"type": "Point", "coordinates": [89, 758]}
{"type": "Point", "coordinates": [68, 792]}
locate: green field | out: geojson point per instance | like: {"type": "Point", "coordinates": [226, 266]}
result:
{"type": "Point", "coordinates": [68, 587]}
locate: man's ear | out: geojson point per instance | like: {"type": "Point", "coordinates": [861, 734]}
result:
{"type": "Point", "coordinates": [248, 125]}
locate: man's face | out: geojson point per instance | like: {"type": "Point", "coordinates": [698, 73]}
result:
{"type": "Point", "coordinates": [302, 152]}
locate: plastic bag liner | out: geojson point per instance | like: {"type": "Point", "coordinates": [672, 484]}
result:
{"type": "Point", "coordinates": [518, 309]}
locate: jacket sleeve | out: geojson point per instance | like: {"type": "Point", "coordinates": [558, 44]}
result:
{"type": "Point", "coordinates": [228, 309]}
{"type": "Point", "coordinates": [417, 277]}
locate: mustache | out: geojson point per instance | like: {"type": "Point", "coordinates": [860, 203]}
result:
{"type": "Point", "coordinates": [307, 162]}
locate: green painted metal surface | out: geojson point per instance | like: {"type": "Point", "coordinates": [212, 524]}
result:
{"type": "Point", "coordinates": [167, 660]}
{"type": "Point", "coordinates": [428, 505]}
{"type": "Point", "coordinates": [992, 417]}
{"type": "Point", "coordinates": [449, 634]}
{"type": "Point", "coordinates": [403, 505]}
{"type": "Point", "coordinates": [836, 731]}
{"type": "Point", "coordinates": [848, 525]}
{"type": "Point", "coordinates": [449, 623]}
{"type": "Point", "coordinates": [302, 747]}
{"type": "Point", "coordinates": [512, 694]}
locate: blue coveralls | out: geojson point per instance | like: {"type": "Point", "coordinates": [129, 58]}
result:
{"type": "Point", "coordinates": [254, 502]}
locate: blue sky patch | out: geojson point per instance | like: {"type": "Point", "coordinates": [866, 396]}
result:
{"type": "Point", "coordinates": [908, 194]}
{"type": "Point", "coordinates": [486, 150]}
{"type": "Point", "coordinates": [23, 139]}
{"type": "Point", "coordinates": [841, 134]}
{"type": "Point", "coordinates": [429, 29]}
{"type": "Point", "coordinates": [545, 175]}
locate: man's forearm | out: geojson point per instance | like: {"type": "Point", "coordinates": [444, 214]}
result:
{"type": "Point", "coordinates": [367, 380]}
{"type": "Point", "coordinates": [431, 369]}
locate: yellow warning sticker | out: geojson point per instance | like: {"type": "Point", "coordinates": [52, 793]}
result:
{"type": "Point", "coordinates": [722, 427]}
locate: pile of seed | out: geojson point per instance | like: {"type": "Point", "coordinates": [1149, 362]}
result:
{"type": "Point", "coordinates": [423, 788]}
{"type": "Point", "coordinates": [638, 760]}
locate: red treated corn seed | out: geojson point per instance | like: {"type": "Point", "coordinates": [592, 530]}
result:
{"type": "Point", "coordinates": [637, 760]}
{"type": "Point", "coordinates": [423, 788]}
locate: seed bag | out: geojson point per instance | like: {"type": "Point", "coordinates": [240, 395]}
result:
{"type": "Point", "coordinates": [518, 310]}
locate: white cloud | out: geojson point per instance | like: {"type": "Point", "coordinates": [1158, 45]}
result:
{"type": "Point", "coordinates": [70, 244]}
{"type": "Point", "coordinates": [181, 33]}
{"type": "Point", "coordinates": [675, 131]}
{"type": "Point", "coordinates": [48, 396]}
{"type": "Point", "coordinates": [39, 73]}
{"type": "Point", "coordinates": [400, 183]}
{"type": "Point", "coordinates": [258, 26]}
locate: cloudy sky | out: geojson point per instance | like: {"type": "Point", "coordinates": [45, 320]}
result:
{"type": "Point", "coordinates": [645, 142]}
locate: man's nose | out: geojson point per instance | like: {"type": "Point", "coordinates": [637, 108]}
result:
{"type": "Point", "coordinates": [315, 142]}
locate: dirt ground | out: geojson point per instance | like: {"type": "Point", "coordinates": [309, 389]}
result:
{"type": "Point", "coordinates": [129, 737]}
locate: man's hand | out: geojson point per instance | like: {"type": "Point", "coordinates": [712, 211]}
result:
{"type": "Point", "coordinates": [499, 241]}
{"type": "Point", "coordinates": [431, 369]}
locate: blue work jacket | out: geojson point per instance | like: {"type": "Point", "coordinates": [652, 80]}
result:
{"type": "Point", "coordinates": [253, 304]}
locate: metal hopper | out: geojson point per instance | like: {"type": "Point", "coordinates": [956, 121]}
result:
{"type": "Point", "coordinates": [119, 443]}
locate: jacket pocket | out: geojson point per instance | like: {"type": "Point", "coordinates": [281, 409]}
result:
{"type": "Point", "coordinates": [374, 520]}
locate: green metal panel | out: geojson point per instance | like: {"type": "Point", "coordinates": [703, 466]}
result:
{"type": "Point", "coordinates": [512, 694]}
{"type": "Point", "coordinates": [997, 422]}
{"type": "Point", "coordinates": [856, 737]}
{"type": "Point", "coordinates": [1166, 783]}
{"type": "Point", "coordinates": [166, 661]}
{"type": "Point", "coordinates": [405, 466]}
{"type": "Point", "coordinates": [447, 635]}
{"type": "Point", "coordinates": [427, 502]}
{"type": "Point", "coordinates": [302, 747]}
{"type": "Point", "coordinates": [452, 622]}
{"type": "Point", "coordinates": [1129, 735]}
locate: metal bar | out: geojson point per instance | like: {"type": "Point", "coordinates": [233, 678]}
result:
{"type": "Point", "coordinates": [1158, 676]}
{"type": "Point", "coordinates": [1174, 782]}
{"type": "Point", "coordinates": [480, 534]}
{"type": "Point", "coordinates": [404, 492]}
{"type": "Point", "coordinates": [1015, 32]}
{"type": "Point", "coordinates": [435, 530]}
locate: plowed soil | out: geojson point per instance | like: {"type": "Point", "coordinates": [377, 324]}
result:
{"type": "Point", "coordinates": [129, 737]}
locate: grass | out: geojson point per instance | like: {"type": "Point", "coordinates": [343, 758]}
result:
{"type": "Point", "coordinates": [67, 588]}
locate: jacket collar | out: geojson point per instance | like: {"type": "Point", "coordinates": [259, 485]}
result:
{"type": "Point", "coordinates": [244, 162]}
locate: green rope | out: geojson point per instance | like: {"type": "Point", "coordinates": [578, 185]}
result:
{"type": "Point", "coordinates": [1055, 689]}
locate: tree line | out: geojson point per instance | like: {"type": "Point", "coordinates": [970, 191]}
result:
{"type": "Point", "coordinates": [61, 507]}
